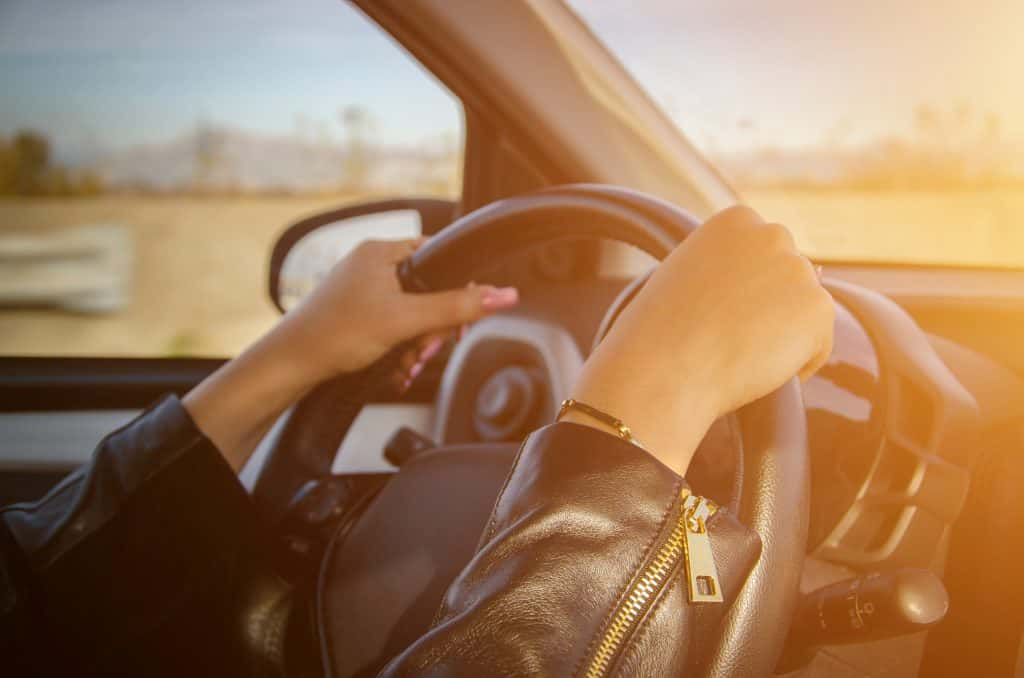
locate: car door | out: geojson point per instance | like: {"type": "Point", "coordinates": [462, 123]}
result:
{"type": "Point", "coordinates": [143, 192]}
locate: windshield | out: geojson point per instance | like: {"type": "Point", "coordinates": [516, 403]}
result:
{"type": "Point", "coordinates": [877, 131]}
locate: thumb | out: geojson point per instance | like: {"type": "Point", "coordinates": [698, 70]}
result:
{"type": "Point", "coordinates": [433, 311]}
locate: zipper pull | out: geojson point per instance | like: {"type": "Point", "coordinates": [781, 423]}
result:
{"type": "Point", "coordinates": [701, 573]}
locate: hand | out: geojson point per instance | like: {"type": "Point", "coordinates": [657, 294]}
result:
{"type": "Point", "coordinates": [360, 312]}
{"type": "Point", "coordinates": [353, 318]}
{"type": "Point", "coordinates": [728, 317]}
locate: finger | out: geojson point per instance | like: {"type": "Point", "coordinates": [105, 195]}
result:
{"type": "Point", "coordinates": [816, 363]}
{"type": "Point", "coordinates": [782, 237]}
{"type": "Point", "coordinates": [414, 360]}
{"type": "Point", "coordinates": [394, 251]}
{"type": "Point", "coordinates": [399, 381]}
{"type": "Point", "coordinates": [825, 343]}
{"type": "Point", "coordinates": [435, 311]}
{"type": "Point", "coordinates": [408, 358]}
{"type": "Point", "coordinates": [813, 271]}
{"type": "Point", "coordinates": [426, 347]}
{"type": "Point", "coordinates": [430, 345]}
{"type": "Point", "coordinates": [815, 268]}
{"type": "Point", "coordinates": [737, 215]}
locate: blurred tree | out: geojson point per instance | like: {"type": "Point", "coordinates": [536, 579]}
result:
{"type": "Point", "coordinates": [209, 156]}
{"type": "Point", "coordinates": [32, 159]}
{"type": "Point", "coordinates": [358, 123]}
{"type": "Point", "coordinates": [26, 169]}
{"type": "Point", "coordinates": [90, 183]}
{"type": "Point", "coordinates": [8, 168]}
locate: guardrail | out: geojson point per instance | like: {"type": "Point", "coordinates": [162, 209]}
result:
{"type": "Point", "coordinates": [86, 269]}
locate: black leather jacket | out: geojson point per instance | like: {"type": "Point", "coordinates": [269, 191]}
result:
{"type": "Point", "coordinates": [138, 563]}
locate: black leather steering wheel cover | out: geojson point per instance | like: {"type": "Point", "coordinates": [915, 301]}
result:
{"type": "Point", "coordinates": [775, 502]}
{"type": "Point", "coordinates": [509, 226]}
{"type": "Point", "coordinates": [775, 484]}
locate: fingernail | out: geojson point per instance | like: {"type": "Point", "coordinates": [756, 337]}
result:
{"type": "Point", "coordinates": [414, 371]}
{"type": "Point", "coordinates": [500, 297]}
{"type": "Point", "coordinates": [405, 386]}
{"type": "Point", "coordinates": [462, 332]}
{"type": "Point", "coordinates": [431, 349]}
{"type": "Point", "coordinates": [820, 271]}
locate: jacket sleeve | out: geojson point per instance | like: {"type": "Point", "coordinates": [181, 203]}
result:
{"type": "Point", "coordinates": [154, 529]}
{"type": "Point", "coordinates": [576, 573]}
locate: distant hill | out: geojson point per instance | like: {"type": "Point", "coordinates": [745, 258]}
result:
{"type": "Point", "coordinates": [880, 165]}
{"type": "Point", "coordinates": [221, 158]}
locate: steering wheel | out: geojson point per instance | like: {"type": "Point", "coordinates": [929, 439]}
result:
{"type": "Point", "coordinates": [769, 493]}
{"type": "Point", "coordinates": [773, 485]}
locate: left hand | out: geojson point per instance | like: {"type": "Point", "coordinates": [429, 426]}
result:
{"type": "Point", "coordinates": [359, 312]}
{"type": "Point", "coordinates": [353, 318]}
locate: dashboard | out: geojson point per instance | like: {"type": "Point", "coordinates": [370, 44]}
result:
{"type": "Point", "coordinates": [890, 425]}
{"type": "Point", "coordinates": [888, 428]}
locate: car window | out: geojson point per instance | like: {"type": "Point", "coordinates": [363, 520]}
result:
{"type": "Point", "coordinates": [878, 131]}
{"type": "Point", "coordinates": [151, 152]}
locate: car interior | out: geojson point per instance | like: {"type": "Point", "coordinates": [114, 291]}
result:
{"type": "Point", "coordinates": [885, 488]}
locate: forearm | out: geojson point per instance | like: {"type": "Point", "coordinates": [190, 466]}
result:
{"type": "Point", "coordinates": [669, 418]}
{"type": "Point", "coordinates": [355, 317]}
{"type": "Point", "coordinates": [237, 405]}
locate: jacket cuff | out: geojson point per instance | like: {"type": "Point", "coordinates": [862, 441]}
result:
{"type": "Point", "coordinates": [146, 526]}
{"type": "Point", "coordinates": [140, 453]}
{"type": "Point", "coordinates": [581, 463]}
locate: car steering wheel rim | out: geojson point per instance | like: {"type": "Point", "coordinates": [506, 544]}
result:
{"type": "Point", "coordinates": [775, 478]}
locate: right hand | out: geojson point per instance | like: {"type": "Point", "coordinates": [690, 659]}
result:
{"type": "Point", "coordinates": [729, 316]}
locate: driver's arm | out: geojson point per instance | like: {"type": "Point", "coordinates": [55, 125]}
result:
{"type": "Point", "coordinates": [352, 319]}
{"type": "Point", "coordinates": [138, 561]}
{"type": "Point", "coordinates": [157, 527]}
{"type": "Point", "coordinates": [581, 570]}
{"type": "Point", "coordinates": [578, 571]}
{"type": "Point", "coordinates": [133, 563]}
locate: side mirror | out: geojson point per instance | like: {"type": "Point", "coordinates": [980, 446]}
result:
{"type": "Point", "coordinates": [308, 249]}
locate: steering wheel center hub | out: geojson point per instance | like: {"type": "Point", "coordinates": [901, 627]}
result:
{"type": "Point", "coordinates": [505, 403]}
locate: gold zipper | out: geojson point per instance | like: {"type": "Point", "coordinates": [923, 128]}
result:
{"type": "Point", "coordinates": [688, 540]}
{"type": "Point", "coordinates": [701, 573]}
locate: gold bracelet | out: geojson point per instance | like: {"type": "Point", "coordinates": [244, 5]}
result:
{"type": "Point", "coordinates": [624, 432]}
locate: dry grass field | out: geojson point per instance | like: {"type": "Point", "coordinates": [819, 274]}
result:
{"type": "Point", "coordinates": [965, 228]}
{"type": "Point", "coordinates": [199, 279]}
{"type": "Point", "coordinates": [200, 263]}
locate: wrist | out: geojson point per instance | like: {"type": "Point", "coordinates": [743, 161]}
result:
{"type": "Point", "coordinates": [669, 417]}
{"type": "Point", "coordinates": [299, 346]}
{"type": "Point", "coordinates": [574, 416]}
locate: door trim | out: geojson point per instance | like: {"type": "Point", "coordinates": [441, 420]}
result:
{"type": "Point", "coordinates": [75, 384]}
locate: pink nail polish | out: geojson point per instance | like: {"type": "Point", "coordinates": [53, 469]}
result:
{"type": "Point", "coordinates": [500, 297]}
{"type": "Point", "coordinates": [414, 371]}
{"type": "Point", "coordinates": [431, 349]}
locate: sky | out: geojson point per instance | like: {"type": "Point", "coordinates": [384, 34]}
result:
{"type": "Point", "coordinates": [740, 73]}
{"type": "Point", "coordinates": [116, 73]}
{"type": "Point", "coordinates": [735, 74]}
